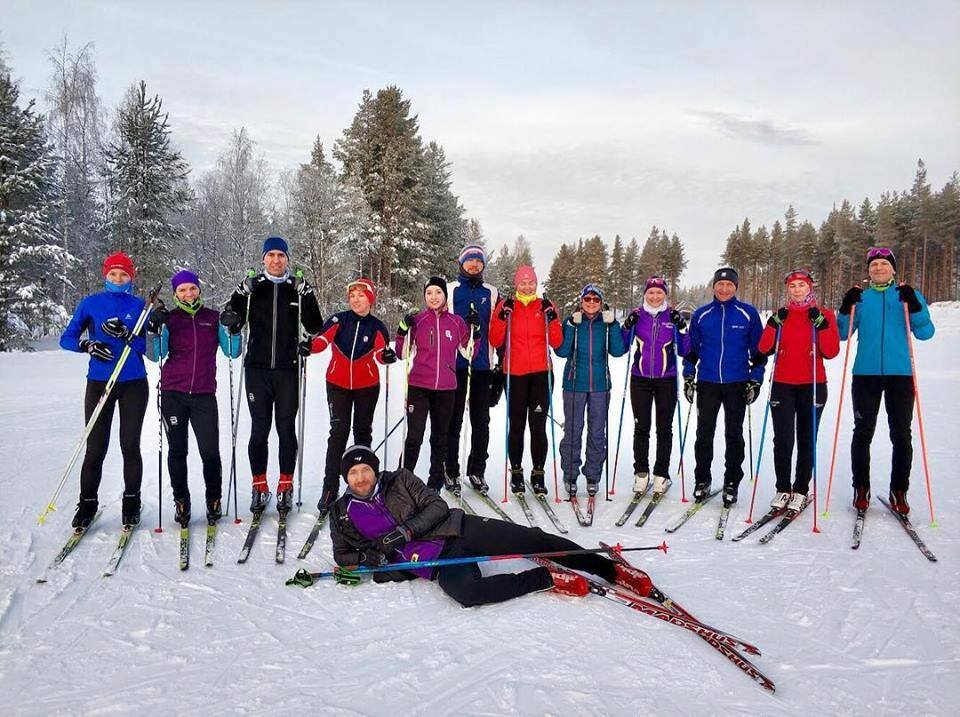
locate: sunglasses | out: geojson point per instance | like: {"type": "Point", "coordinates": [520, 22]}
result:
{"type": "Point", "coordinates": [591, 299]}
{"type": "Point", "coordinates": [878, 251]}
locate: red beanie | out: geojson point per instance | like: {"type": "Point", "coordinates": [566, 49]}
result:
{"type": "Point", "coordinates": [120, 261]}
{"type": "Point", "coordinates": [524, 272]}
{"type": "Point", "coordinates": [367, 286]}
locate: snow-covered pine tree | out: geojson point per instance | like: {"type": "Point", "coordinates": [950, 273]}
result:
{"type": "Point", "coordinates": [632, 290]}
{"type": "Point", "coordinates": [443, 213]}
{"type": "Point", "coordinates": [147, 186]}
{"type": "Point", "coordinates": [615, 282]}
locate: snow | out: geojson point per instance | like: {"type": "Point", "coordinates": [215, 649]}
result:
{"type": "Point", "coordinates": [843, 632]}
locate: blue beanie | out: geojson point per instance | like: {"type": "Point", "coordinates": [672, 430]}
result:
{"type": "Point", "coordinates": [591, 289]}
{"type": "Point", "coordinates": [275, 244]}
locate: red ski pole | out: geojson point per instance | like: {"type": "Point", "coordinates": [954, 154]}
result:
{"type": "Point", "coordinates": [836, 430]}
{"type": "Point", "coordinates": [916, 393]}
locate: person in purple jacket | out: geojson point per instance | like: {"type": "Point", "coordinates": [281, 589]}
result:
{"type": "Point", "coordinates": [437, 335]}
{"type": "Point", "coordinates": [188, 338]}
{"type": "Point", "coordinates": [659, 332]}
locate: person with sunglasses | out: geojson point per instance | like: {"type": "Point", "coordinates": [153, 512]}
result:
{"type": "Point", "coordinates": [882, 370]}
{"type": "Point", "coordinates": [590, 335]}
{"type": "Point", "coordinates": [794, 331]}
{"type": "Point", "coordinates": [722, 368]}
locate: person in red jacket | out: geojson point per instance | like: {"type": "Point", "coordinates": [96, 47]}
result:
{"type": "Point", "coordinates": [791, 395]}
{"type": "Point", "coordinates": [523, 324]}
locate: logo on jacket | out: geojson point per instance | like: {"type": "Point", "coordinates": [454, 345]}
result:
{"type": "Point", "coordinates": [448, 335]}
{"type": "Point", "coordinates": [538, 409]}
{"type": "Point", "coordinates": [173, 420]}
{"type": "Point", "coordinates": [366, 339]}
{"type": "Point", "coordinates": [128, 317]}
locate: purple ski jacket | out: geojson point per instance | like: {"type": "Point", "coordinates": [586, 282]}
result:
{"type": "Point", "coordinates": [190, 345]}
{"type": "Point", "coordinates": [654, 355]}
{"type": "Point", "coordinates": [436, 338]}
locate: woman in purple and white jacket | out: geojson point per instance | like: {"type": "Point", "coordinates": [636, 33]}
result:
{"type": "Point", "coordinates": [437, 335]}
{"type": "Point", "coordinates": [658, 331]}
{"type": "Point", "coordinates": [188, 338]}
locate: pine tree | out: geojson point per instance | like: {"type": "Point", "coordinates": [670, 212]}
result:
{"type": "Point", "coordinates": [593, 263]}
{"type": "Point", "coordinates": [631, 260]}
{"type": "Point", "coordinates": [674, 262]}
{"type": "Point", "coordinates": [443, 213]}
{"type": "Point", "coordinates": [617, 288]}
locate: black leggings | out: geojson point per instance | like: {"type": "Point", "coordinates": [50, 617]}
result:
{"type": "Point", "coordinates": [487, 536]}
{"type": "Point", "coordinates": [270, 390]}
{"type": "Point", "coordinates": [438, 405]}
{"type": "Point", "coordinates": [710, 397]}
{"type": "Point", "coordinates": [790, 406]}
{"type": "Point", "coordinates": [645, 393]}
{"type": "Point", "coordinates": [200, 411]}
{"type": "Point", "coordinates": [528, 404]}
{"type": "Point", "coordinates": [346, 405]}
{"type": "Point", "coordinates": [132, 396]}
{"type": "Point", "coordinates": [897, 394]}
{"type": "Point", "coordinates": [479, 423]}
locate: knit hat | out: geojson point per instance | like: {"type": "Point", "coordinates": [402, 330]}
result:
{"type": "Point", "coordinates": [275, 244]}
{"type": "Point", "coordinates": [591, 289]}
{"type": "Point", "coordinates": [439, 282]}
{"type": "Point", "coordinates": [656, 282]}
{"type": "Point", "coordinates": [184, 277]}
{"type": "Point", "coordinates": [355, 455]}
{"type": "Point", "coordinates": [798, 274]}
{"type": "Point", "coordinates": [524, 272]}
{"type": "Point", "coordinates": [367, 286]}
{"type": "Point", "coordinates": [881, 252]}
{"type": "Point", "coordinates": [472, 251]}
{"type": "Point", "coordinates": [119, 260]}
{"type": "Point", "coordinates": [726, 273]}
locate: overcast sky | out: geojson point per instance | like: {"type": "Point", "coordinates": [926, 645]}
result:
{"type": "Point", "coordinates": [561, 120]}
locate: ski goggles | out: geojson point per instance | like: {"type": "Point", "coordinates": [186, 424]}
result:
{"type": "Point", "coordinates": [795, 274]}
{"type": "Point", "coordinates": [879, 252]}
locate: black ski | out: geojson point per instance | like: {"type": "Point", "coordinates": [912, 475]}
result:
{"type": "Point", "coordinates": [690, 512]}
{"type": "Point", "coordinates": [209, 544]}
{"type": "Point", "coordinates": [184, 547]}
{"type": "Point", "coordinates": [858, 528]}
{"type": "Point", "coordinates": [652, 505]}
{"type": "Point", "coordinates": [759, 523]}
{"type": "Point", "coordinates": [911, 531]}
{"type": "Point", "coordinates": [548, 509]}
{"type": "Point", "coordinates": [251, 536]}
{"type": "Point", "coordinates": [722, 523]}
{"type": "Point", "coordinates": [75, 537]}
{"type": "Point", "coordinates": [126, 532]}
{"type": "Point", "coordinates": [787, 518]}
{"type": "Point", "coordinates": [492, 504]}
{"type": "Point", "coordinates": [631, 506]}
{"type": "Point", "coordinates": [281, 552]}
{"type": "Point", "coordinates": [314, 534]}
{"type": "Point", "coordinates": [525, 507]}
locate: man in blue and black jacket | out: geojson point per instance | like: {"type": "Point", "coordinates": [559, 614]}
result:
{"type": "Point", "coordinates": [722, 368]}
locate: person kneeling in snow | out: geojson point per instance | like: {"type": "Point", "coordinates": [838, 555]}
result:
{"type": "Point", "coordinates": [391, 516]}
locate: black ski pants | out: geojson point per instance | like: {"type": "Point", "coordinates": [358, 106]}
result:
{"type": "Point", "coordinates": [897, 394]}
{"type": "Point", "coordinates": [346, 405]}
{"type": "Point", "coordinates": [272, 391]}
{"type": "Point", "coordinates": [528, 404]}
{"type": "Point", "coordinates": [710, 398]}
{"type": "Point", "coordinates": [438, 405]}
{"type": "Point", "coordinates": [487, 536]}
{"type": "Point", "coordinates": [181, 410]}
{"type": "Point", "coordinates": [132, 397]}
{"type": "Point", "coordinates": [479, 423]}
{"type": "Point", "coordinates": [792, 411]}
{"type": "Point", "coordinates": [645, 394]}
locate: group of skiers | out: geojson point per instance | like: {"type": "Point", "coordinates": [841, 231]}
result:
{"type": "Point", "coordinates": [468, 344]}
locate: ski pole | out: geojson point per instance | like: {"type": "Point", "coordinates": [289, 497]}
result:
{"type": "Point", "coordinates": [813, 421]}
{"type": "Point", "coordinates": [160, 427]}
{"type": "Point", "coordinates": [233, 435]}
{"type": "Point", "coordinates": [763, 428]}
{"type": "Point", "coordinates": [466, 410]}
{"type": "Point", "coordinates": [916, 393]}
{"type": "Point", "coordinates": [623, 407]}
{"type": "Point", "coordinates": [606, 413]}
{"type": "Point", "coordinates": [236, 419]}
{"type": "Point", "coordinates": [553, 430]}
{"type": "Point", "coordinates": [98, 409]}
{"type": "Point", "coordinates": [575, 432]}
{"type": "Point", "coordinates": [305, 578]}
{"type": "Point", "coordinates": [301, 391]}
{"type": "Point", "coordinates": [836, 430]}
{"type": "Point", "coordinates": [386, 416]}
{"type": "Point", "coordinates": [506, 393]}
{"type": "Point", "coordinates": [406, 390]}
{"type": "Point", "coordinates": [680, 433]}
{"type": "Point", "coordinates": [389, 433]}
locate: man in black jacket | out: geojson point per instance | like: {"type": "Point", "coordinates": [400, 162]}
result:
{"type": "Point", "coordinates": [393, 517]}
{"type": "Point", "coordinates": [279, 304]}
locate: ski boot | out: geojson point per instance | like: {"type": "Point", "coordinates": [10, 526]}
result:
{"type": "Point", "coordinates": [797, 501]}
{"type": "Point", "coordinates": [780, 500]}
{"type": "Point", "coordinates": [452, 484]}
{"type": "Point", "coordinates": [659, 484]}
{"type": "Point", "coordinates": [898, 501]}
{"type": "Point", "coordinates": [571, 487]}
{"type": "Point", "coordinates": [537, 481]}
{"type": "Point", "coordinates": [861, 497]}
{"type": "Point", "coordinates": [260, 496]}
{"type": "Point", "coordinates": [285, 493]}
{"type": "Point", "coordinates": [633, 579]}
{"type": "Point", "coordinates": [130, 512]}
{"type": "Point", "coordinates": [479, 484]}
{"type": "Point", "coordinates": [86, 510]}
{"type": "Point", "coordinates": [214, 511]}
{"type": "Point", "coordinates": [516, 481]}
{"type": "Point", "coordinates": [181, 512]}
{"type": "Point", "coordinates": [641, 481]}
{"type": "Point", "coordinates": [700, 492]}
{"type": "Point", "coordinates": [569, 583]}
{"type": "Point", "coordinates": [593, 487]}
{"type": "Point", "coordinates": [729, 495]}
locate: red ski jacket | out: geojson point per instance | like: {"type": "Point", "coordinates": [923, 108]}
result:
{"type": "Point", "coordinates": [794, 358]}
{"type": "Point", "coordinates": [356, 341]}
{"type": "Point", "coordinates": [527, 352]}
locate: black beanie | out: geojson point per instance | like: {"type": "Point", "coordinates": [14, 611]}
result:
{"type": "Point", "coordinates": [356, 455]}
{"type": "Point", "coordinates": [726, 273]}
{"type": "Point", "coordinates": [439, 282]}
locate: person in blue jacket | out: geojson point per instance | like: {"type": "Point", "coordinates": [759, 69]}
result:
{"type": "Point", "coordinates": [108, 318]}
{"type": "Point", "coordinates": [472, 299]}
{"type": "Point", "coordinates": [590, 335]}
{"type": "Point", "coordinates": [722, 368]}
{"type": "Point", "coordinates": [882, 369]}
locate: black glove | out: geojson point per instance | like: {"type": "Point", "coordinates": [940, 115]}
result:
{"type": "Point", "coordinates": [305, 347]}
{"type": "Point", "coordinates": [546, 306]}
{"type": "Point", "coordinates": [777, 318]}
{"type": "Point", "coordinates": [506, 308]}
{"type": "Point", "coordinates": [909, 297]}
{"type": "Point", "coordinates": [689, 388]}
{"type": "Point", "coordinates": [757, 359]}
{"type": "Point", "coordinates": [231, 319]}
{"type": "Point", "coordinates": [820, 321]}
{"type": "Point", "coordinates": [751, 391]}
{"type": "Point", "coordinates": [116, 328]}
{"type": "Point", "coordinates": [394, 540]}
{"type": "Point", "coordinates": [372, 558]}
{"type": "Point", "coordinates": [631, 320]}
{"type": "Point", "coordinates": [97, 349]}
{"type": "Point", "coordinates": [303, 287]}
{"type": "Point", "coordinates": [245, 287]}
{"type": "Point", "coordinates": [853, 296]}
{"type": "Point", "coordinates": [388, 356]}
{"type": "Point", "coordinates": [473, 317]}
{"type": "Point", "coordinates": [677, 320]}
{"type": "Point", "coordinates": [406, 323]}
{"type": "Point", "coordinates": [158, 317]}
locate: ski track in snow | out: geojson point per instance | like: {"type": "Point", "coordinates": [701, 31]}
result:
{"type": "Point", "coordinates": [872, 631]}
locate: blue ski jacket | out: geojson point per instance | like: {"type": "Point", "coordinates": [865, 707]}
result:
{"type": "Point", "coordinates": [585, 346]}
{"type": "Point", "coordinates": [467, 291]}
{"type": "Point", "coordinates": [93, 311]}
{"type": "Point", "coordinates": [723, 340]}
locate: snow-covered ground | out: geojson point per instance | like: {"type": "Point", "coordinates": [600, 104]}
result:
{"type": "Point", "coordinates": [873, 631]}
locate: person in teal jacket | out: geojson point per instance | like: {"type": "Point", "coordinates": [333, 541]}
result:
{"type": "Point", "coordinates": [590, 336]}
{"type": "Point", "coordinates": [882, 369]}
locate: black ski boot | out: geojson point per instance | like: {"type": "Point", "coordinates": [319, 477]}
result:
{"type": "Point", "coordinates": [284, 501]}
{"type": "Point", "coordinates": [131, 509]}
{"type": "Point", "coordinates": [181, 512]}
{"type": "Point", "coordinates": [479, 484]}
{"type": "Point", "coordinates": [452, 484]}
{"type": "Point", "coordinates": [537, 481]}
{"type": "Point", "coordinates": [593, 487]}
{"type": "Point", "coordinates": [861, 497]}
{"type": "Point", "coordinates": [516, 481]}
{"type": "Point", "coordinates": [259, 500]}
{"type": "Point", "coordinates": [214, 511]}
{"type": "Point", "coordinates": [729, 495]}
{"type": "Point", "coordinates": [700, 492]}
{"type": "Point", "coordinates": [86, 510]}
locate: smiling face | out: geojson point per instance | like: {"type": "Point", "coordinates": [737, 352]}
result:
{"type": "Point", "coordinates": [187, 292]}
{"type": "Point", "coordinates": [798, 290]}
{"type": "Point", "coordinates": [724, 290]}
{"type": "Point", "coordinates": [359, 303]}
{"type": "Point", "coordinates": [118, 277]}
{"type": "Point", "coordinates": [590, 304]}
{"type": "Point", "coordinates": [275, 262]}
{"type": "Point", "coordinates": [472, 267]}
{"type": "Point", "coordinates": [881, 271]}
{"type": "Point", "coordinates": [434, 297]}
{"type": "Point", "coordinates": [527, 287]}
{"type": "Point", "coordinates": [655, 297]}
{"type": "Point", "coordinates": [361, 480]}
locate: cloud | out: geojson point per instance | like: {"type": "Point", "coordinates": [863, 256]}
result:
{"type": "Point", "coordinates": [764, 131]}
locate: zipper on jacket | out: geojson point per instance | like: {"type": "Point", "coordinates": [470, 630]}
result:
{"type": "Point", "coordinates": [193, 372]}
{"type": "Point", "coordinates": [353, 352]}
{"type": "Point", "coordinates": [656, 331]}
{"type": "Point", "coordinates": [436, 382]}
{"type": "Point", "coordinates": [883, 326]}
{"type": "Point", "coordinates": [723, 321]}
{"type": "Point", "coordinates": [273, 342]}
